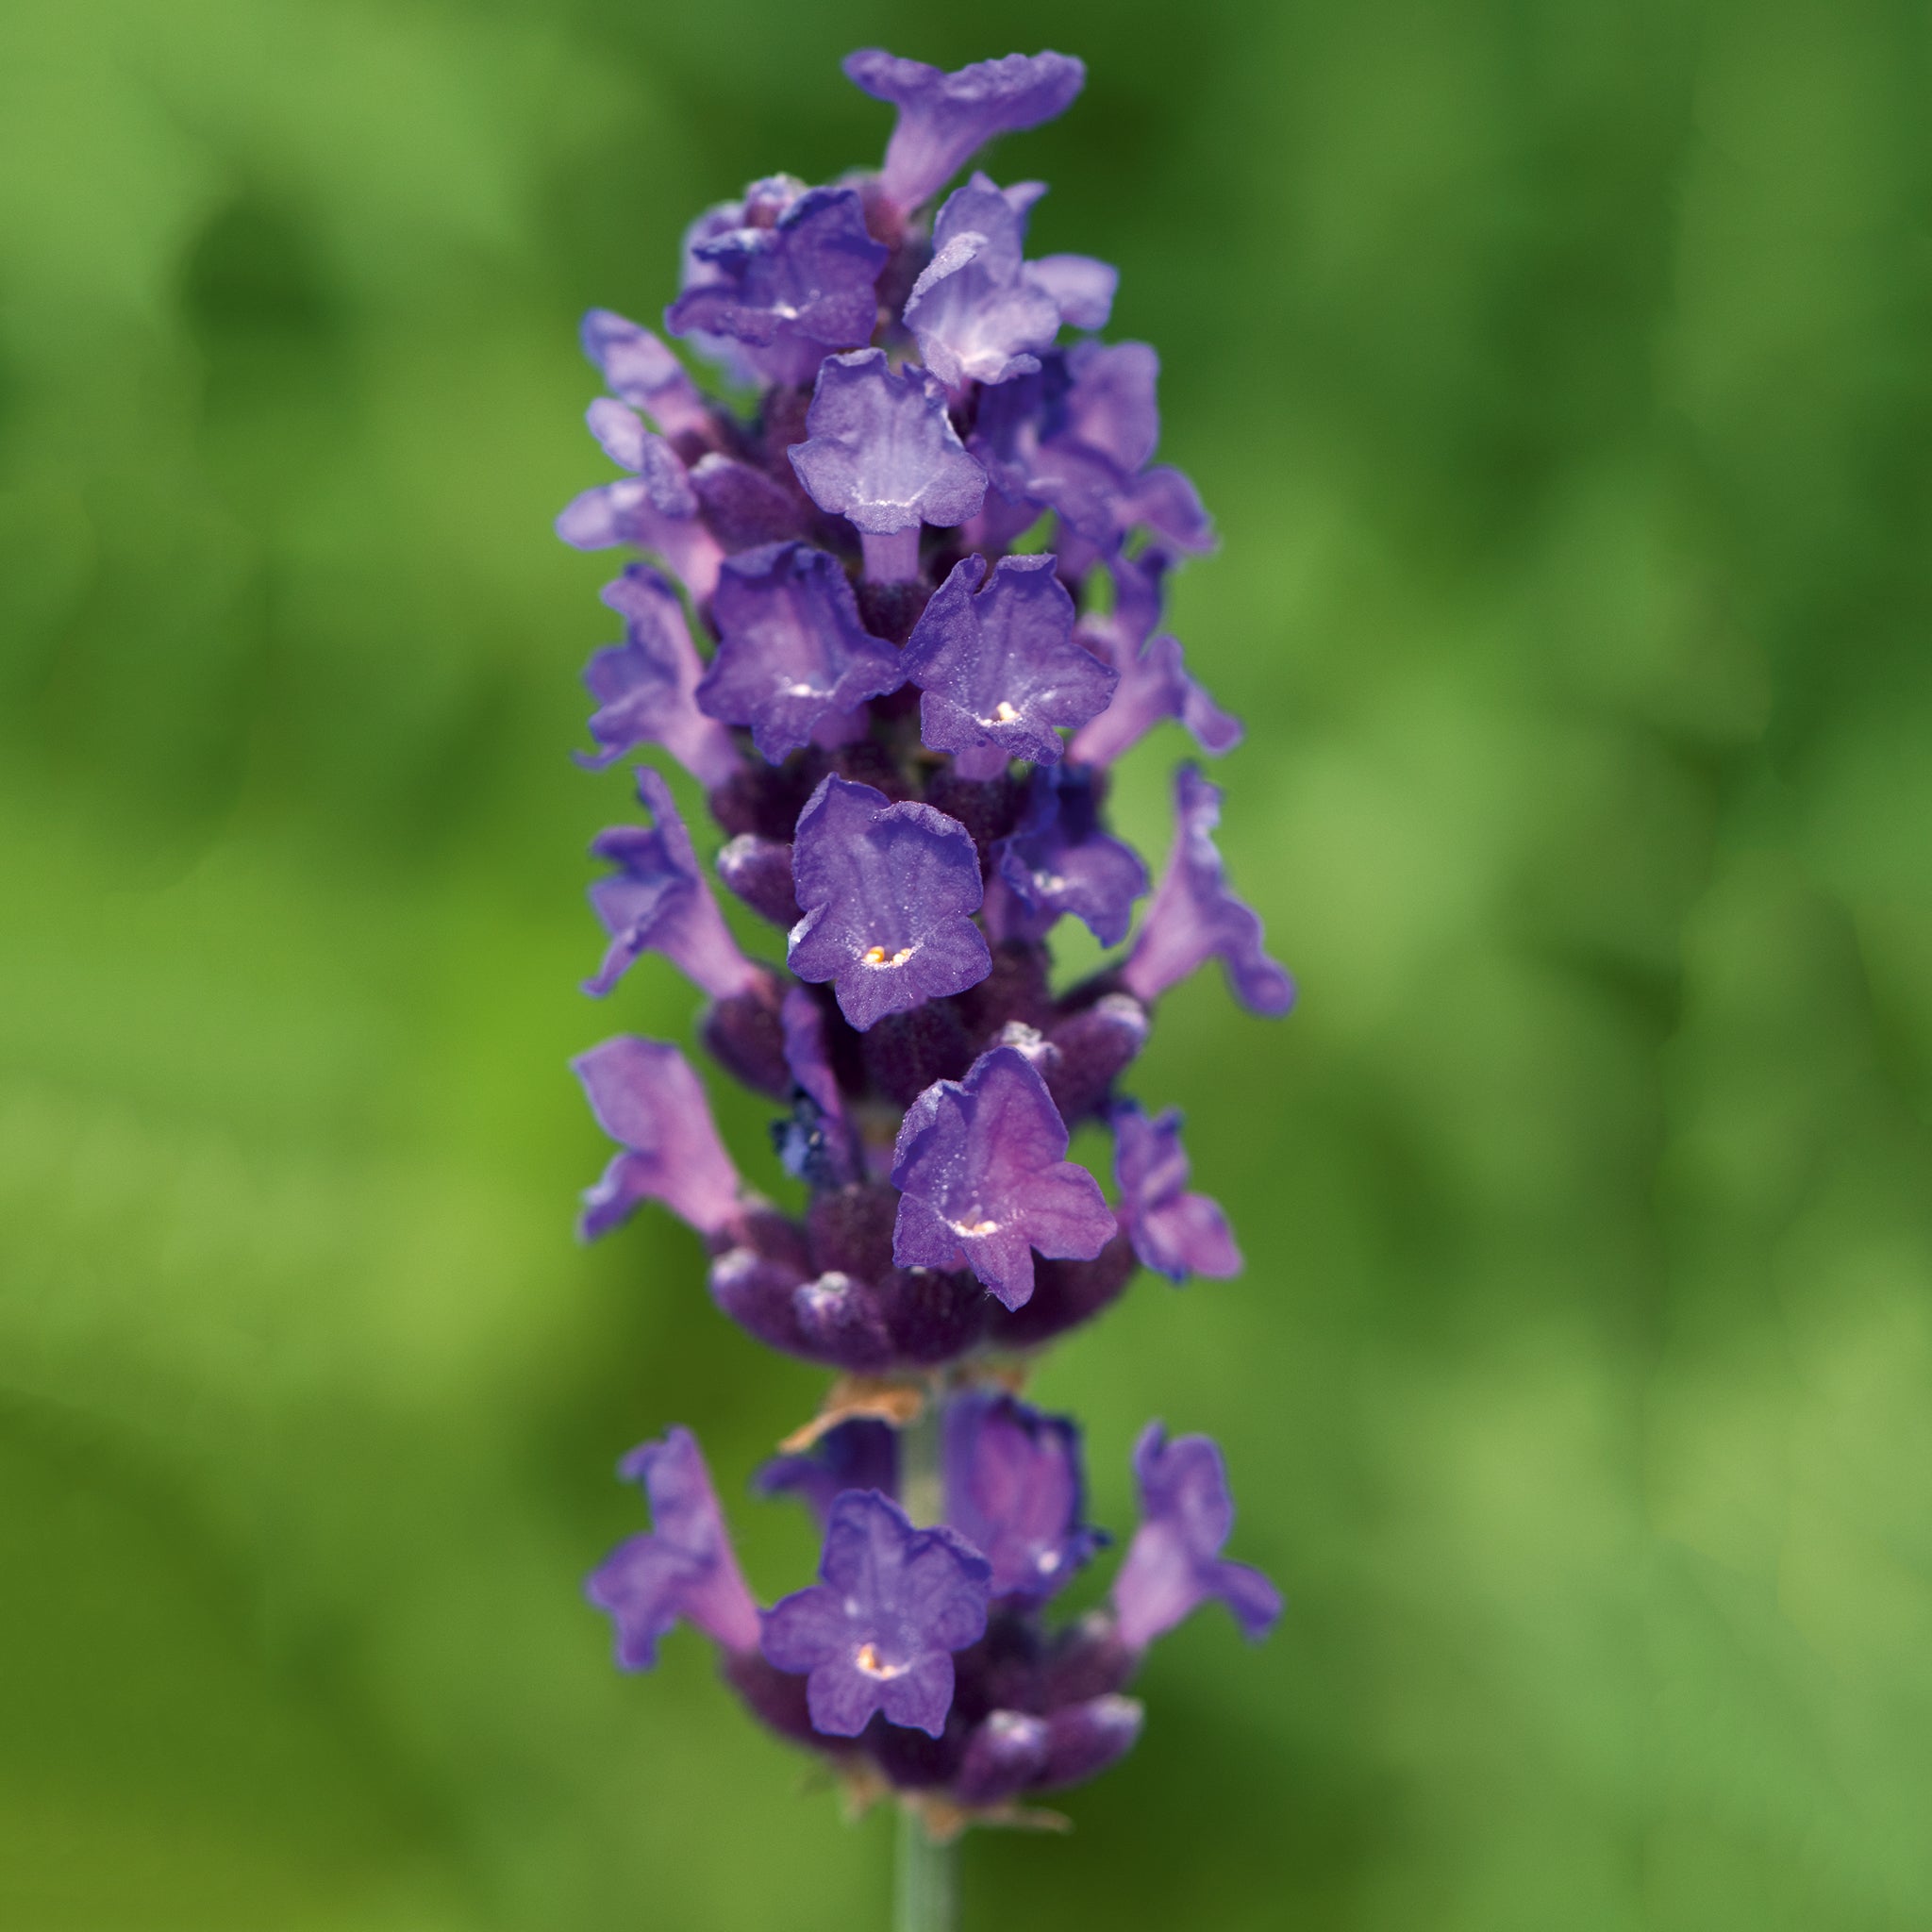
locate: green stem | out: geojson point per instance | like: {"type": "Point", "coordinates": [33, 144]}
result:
{"type": "Point", "coordinates": [924, 1895]}
{"type": "Point", "coordinates": [923, 1899]}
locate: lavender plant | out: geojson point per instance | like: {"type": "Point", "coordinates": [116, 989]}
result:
{"type": "Point", "coordinates": [904, 728]}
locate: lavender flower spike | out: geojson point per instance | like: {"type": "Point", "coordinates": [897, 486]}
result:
{"type": "Point", "coordinates": [1013, 1491]}
{"type": "Point", "coordinates": [1002, 668]}
{"type": "Point", "coordinates": [1174, 1563]}
{"type": "Point", "coordinates": [984, 1179]}
{"type": "Point", "coordinates": [645, 1096]}
{"type": "Point", "coordinates": [1174, 1232]}
{"type": "Point", "coordinates": [945, 118]}
{"type": "Point", "coordinates": [922, 1056]}
{"type": "Point", "coordinates": [684, 1567]}
{"type": "Point", "coordinates": [878, 1633]}
{"type": "Point", "coordinates": [888, 892]}
{"type": "Point", "coordinates": [659, 900]}
{"type": "Point", "coordinates": [1194, 916]}
{"type": "Point", "coordinates": [791, 649]}
{"type": "Point", "coordinates": [646, 686]}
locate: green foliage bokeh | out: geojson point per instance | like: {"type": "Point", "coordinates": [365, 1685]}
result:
{"type": "Point", "coordinates": [1561, 375]}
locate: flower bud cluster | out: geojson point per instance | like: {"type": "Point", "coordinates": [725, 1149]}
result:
{"type": "Point", "coordinates": [898, 622]}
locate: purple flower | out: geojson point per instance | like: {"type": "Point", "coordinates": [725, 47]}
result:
{"type": "Point", "coordinates": [654, 510]}
{"type": "Point", "coordinates": [945, 118]}
{"type": "Point", "coordinates": [644, 687]}
{"type": "Point", "coordinates": [641, 370]}
{"type": "Point", "coordinates": [1073, 439]}
{"type": "Point", "coordinates": [788, 272]}
{"type": "Point", "coordinates": [981, 1164]}
{"type": "Point", "coordinates": [1154, 685]}
{"type": "Point", "coordinates": [791, 647]}
{"type": "Point", "coordinates": [684, 1567]}
{"type": "Point", "coordinates": [1002, 668]}
{"type": "Point", "coordinates": [1193, 915]}
{"type": "Point", "coordinates": [1174, 1232]}
{"type": "Point", "coordinates": [1111, 406]}
{"type": "Point", "coordinates": [645, 1096]}
{"type": "Point", "coordinates": [878, 1632]}
{"type": "Point", "coordinates": [659, 900]}
{"type": "Point", "coordinates": [881, 451]}
{"type": "Point", "coordinates": [1013, 1491]}
{"type": "Point", "coordinates": [859, 1454]}
{"type": "Point", "coordinates": [980, 310]}
{"type": "Point", "coordinates": [1175, 1564]}
{"type": "Point", "coordinates": [1058, 861]}
{"type": "Point", "coordinates": [888, 892]}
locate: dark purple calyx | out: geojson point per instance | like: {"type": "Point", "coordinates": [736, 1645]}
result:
{"type": "Point", "coordinates": [758, 872]}
{"type": "Point", "coordinates": [857, 1455]}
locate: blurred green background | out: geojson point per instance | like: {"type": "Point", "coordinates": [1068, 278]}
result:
{"type": "Point", "coordinates": [1561, 377]}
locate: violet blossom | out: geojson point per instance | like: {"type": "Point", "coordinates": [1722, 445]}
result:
{"type": "Point", "coordinates": [1193, 916]}
{"type": "Point", "coordinates": [1174, 1232]}
{"type": "Point", "coordinates": [888, 893]}
{"type": "Point", "coordinates": [645, 687]}
{"type": "Point", "coordinates": [998, 667]}
{"type": "Point", "coordinates": [659, 899]}
{"type": "Point", "coordinates": [791, 647]}
{"type": "Point", "coordinates": [684, 1570]}
{"type": "Point", "coordinates": [1175, 1564]}
{"type": "Point", "coordinates": [906, 732]}
{"type": "Point", "coordinates": [877, 1632]}
{"type": "Point", "coordinates": [983, 1177]}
